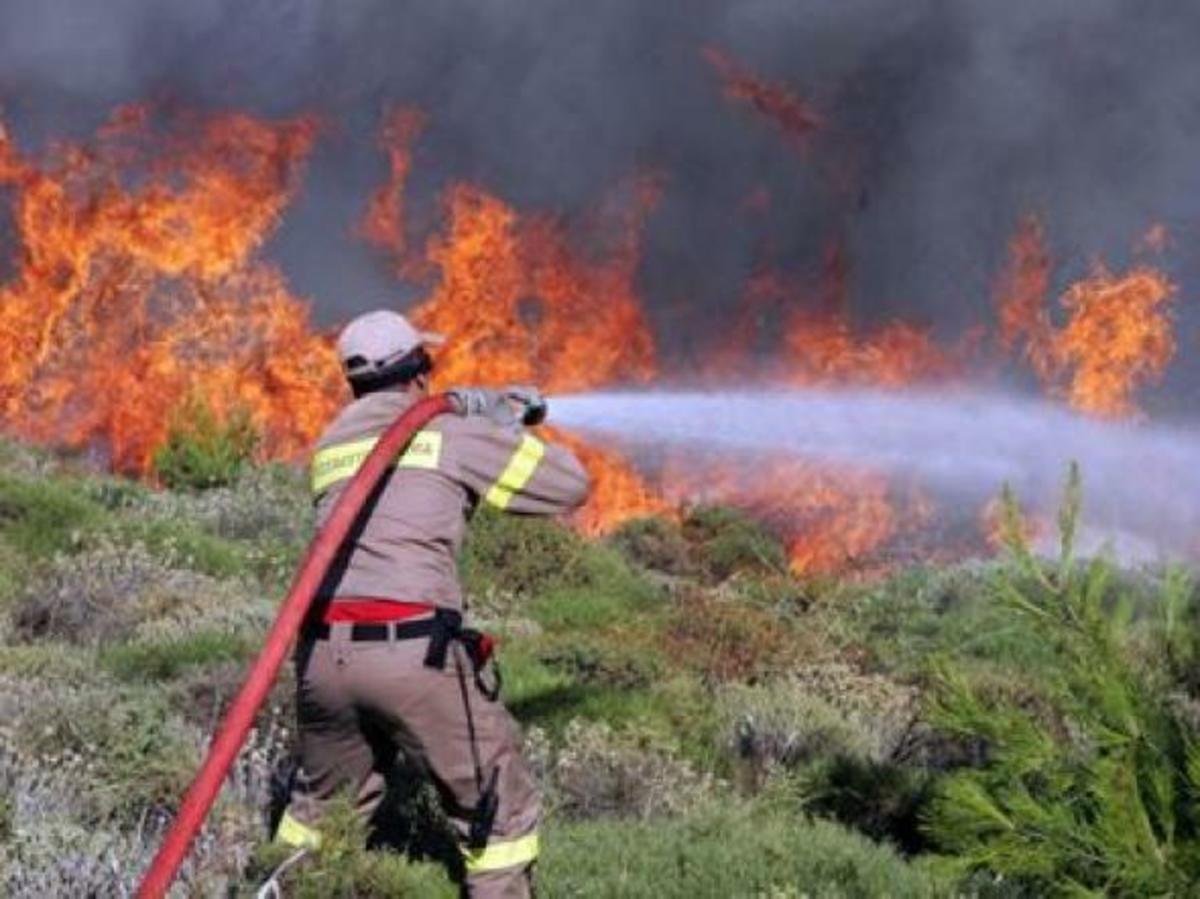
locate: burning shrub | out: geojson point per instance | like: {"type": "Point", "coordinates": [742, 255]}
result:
{"type": "Point", "coordinates": [201, 451]}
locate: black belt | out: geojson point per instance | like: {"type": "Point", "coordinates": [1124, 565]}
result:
{"type": "Point", "coordinates": [391, 630]}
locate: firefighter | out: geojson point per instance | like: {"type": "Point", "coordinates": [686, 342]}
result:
{"type": "Point", "coordinates": [386, 664]}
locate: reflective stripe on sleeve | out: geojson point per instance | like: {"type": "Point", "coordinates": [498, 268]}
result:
{"type": "Point", "coordinates": [293, 833]}
{"type": "Point", "coordinates": [340, 461]}
{"type": "Point", "coordinates": [496, 856]}
{"type": "Point", "coordinates": [517, 473]}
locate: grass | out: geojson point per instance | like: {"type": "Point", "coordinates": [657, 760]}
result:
{"type": "Point", "coordinates": [42, 517]}
{"type": "Point", "coordinates": [156, 661]}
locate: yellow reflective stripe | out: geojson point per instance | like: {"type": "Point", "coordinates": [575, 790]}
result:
{"type": "Point", "coordinates": [517, 473]}
{"type": "Point", "coordinates": [341, 461]}
{"type": "Point", "coordinates": [497, 856]}
{"type": "Point", "coordinates": [338, 462]}
{"type": "Point", "coordinates": [294, 833]}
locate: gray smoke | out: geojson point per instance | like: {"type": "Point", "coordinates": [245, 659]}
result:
{"type": "Point", "coordinates": [947, 120]}
{"type": "Point", "coordinates": [1141, 482]}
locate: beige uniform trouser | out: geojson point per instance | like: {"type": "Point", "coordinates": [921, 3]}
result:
{"type": "Point", "coordinates": [360, 702]}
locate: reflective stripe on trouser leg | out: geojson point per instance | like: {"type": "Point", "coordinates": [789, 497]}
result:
{"type": "Point", "coordinates": [294, 833]}
{"type": "Point", "coordinates": [500, 854]}
{"type": "Point", "coordinates": [517, 473]}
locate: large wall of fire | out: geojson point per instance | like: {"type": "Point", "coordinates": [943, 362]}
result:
{"type": "Point", "coordinates": [140, 283]}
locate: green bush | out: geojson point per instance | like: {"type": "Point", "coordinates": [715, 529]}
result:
{"type": "Point", "coordinates": [734, 849]}
{"type": "Point", "coordinates": [179, 543]}
{"type": "Point", "coordinates": [125, 749]}
{"type": "Point", "coordinates": [589, 660]}
{"type": "Point", "coordinates": [41, 518]}
{"type": "Point", "coordinates": [900, 622]}
{"type": "Point", "coordinates": [593, 771]}
{"type": "Point", "coordinates": [565, 581]}
{"type": "Point", "coordinates": [724, 639]}
{"type": "Point", "coordinates": [115, 591]}
{"type": "Point", "coordinates": [656, 544]}
{"type": "Point", "coordinates": [884, 800]}
{"type": "Point", "coordinates": [1098, 792]}
{"type": "Point", "coordinates": [729, 542]}
{"type": "Point", "coordinates": [519, 554]}
{"type": "Point", "coordinates": [201, 451]}
{"type": "Point", "coordinates": [344, 869]}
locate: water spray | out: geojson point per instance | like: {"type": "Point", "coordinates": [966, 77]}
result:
{"type": "Point", "coordinates": [1142, 482]}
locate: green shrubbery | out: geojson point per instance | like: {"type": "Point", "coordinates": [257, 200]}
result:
{"type": "Point", "coordinates": [727, 542]}
{"type": "Point", "coordinates": [1099, 791]}
{"type": "Point", "coordinates": [703, 724]}
{"type": "Point", "coordinates": [202, 451]}
{"type": "Point", "coordinates": [655, 544]}
{"type": "Point", "coordinates": [40, 518]}
{"type": "Point", "coordinates": [729, 849]}
{"type": "Point", "coordinates": [746, 849]}
{"type": "Point", "coordinates": [343, 869]}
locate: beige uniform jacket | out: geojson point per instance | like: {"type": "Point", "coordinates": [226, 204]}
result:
{"type": "Point", "coordinates": [407, 548]}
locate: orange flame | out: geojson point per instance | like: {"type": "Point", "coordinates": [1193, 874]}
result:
{"type": "Point", "coordinates": [619, 492]}
{"type": "Point", "coordinates": [139, 283]}
{"type": "Point", "coordinates": [791, 114]}
{"type": "Point", "coordinates": [522, 302]}
{"type": "Point", "coordinates": [1117, 336]}
{"type": "Point", "coordinates": [519, 300]}
{"type": "Point", "coordinates": [1021, 292]}
{"type": "Point", "coordinates": [383, 224]}
{"type": "Point", "coordinates": [522, 306]}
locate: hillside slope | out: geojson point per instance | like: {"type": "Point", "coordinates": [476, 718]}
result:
{"type": "Point", "coordinates": [703, 723]}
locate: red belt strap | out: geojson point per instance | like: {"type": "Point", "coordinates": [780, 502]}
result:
{"type": "Point", "coordinates": [374, 611]}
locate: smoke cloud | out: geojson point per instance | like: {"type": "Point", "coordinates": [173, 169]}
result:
{"type": "Point", "coordinates": [945, 121]}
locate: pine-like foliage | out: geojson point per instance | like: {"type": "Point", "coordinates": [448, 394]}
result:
{"type": "Point", "coordinates": [202, 450]}
{"type": "Point", "coordinates": [1094, 788]}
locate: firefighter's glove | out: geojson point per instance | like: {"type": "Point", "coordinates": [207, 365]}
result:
{"type": "Point", "coordinates": [507, 408]}
{"type": "Point", "coordinates": [529, 403]}
{"type": "Point", "coordinates": [474, 400]}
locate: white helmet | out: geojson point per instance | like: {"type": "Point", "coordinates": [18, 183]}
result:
{"type": "Point", "coordinates": [375, 341]}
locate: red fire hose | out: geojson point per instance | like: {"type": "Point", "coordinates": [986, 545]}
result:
{"type": "Point", "coordinates": [321, 552]}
